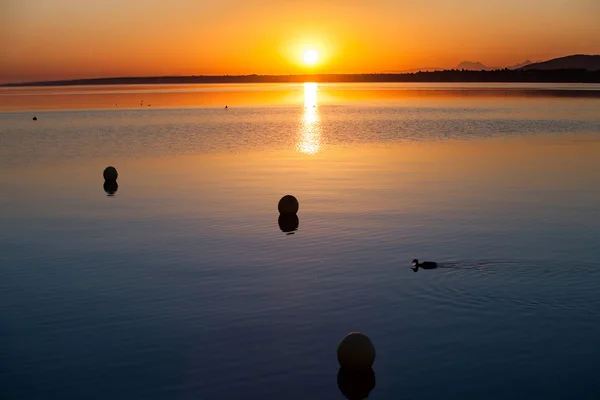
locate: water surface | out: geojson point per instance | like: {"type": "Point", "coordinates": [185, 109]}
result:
{"type": "Point", "coordinates": [182, 285]}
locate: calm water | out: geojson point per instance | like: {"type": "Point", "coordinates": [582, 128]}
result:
{"type": "Point", "coordinates": [182, 284]}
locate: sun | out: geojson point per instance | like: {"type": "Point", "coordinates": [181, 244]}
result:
{"type": "Point", "coordinates": [310, 57]}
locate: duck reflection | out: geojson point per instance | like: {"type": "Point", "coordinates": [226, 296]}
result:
{"type": "Point", "coordinates": [111, 187]}
{"type": "Point", "coordinates": [356, 384]}
{"type": "Point", "coordinates": [309, 138]}
{"type": "Point", "coordinates": [288, 223]}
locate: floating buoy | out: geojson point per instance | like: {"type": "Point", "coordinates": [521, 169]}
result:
{"type": "Point", "coordinates": [288, 205]}
{"type": "Point", "coordinates": [110, 174]}
{"type": "Point", "coordinates": [35, 118]}
{"type": "Point", "coordinates": [356, 351]}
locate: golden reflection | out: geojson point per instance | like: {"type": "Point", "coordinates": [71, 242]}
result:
{"type": "Point", "coordinates": [309, 141]}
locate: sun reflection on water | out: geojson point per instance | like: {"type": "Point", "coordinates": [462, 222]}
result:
{"type": "Point", "coordinates": [309, 140]}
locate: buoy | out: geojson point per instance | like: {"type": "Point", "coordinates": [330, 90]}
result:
{"type": "Point", "coordinates": [288, 205]}
{"type": "Point", "coordinates": [226, 107]}
{"type": "Point", "coordinates": [288, 223]}
{"type": "Point", "coordinates": [356, 351]}
{"type": "Point", "coordinates": [110, 174]}
{"type": "Point", "coordinates": [111, 187]}
{"type": "Point", "coordinates": [35, 118]}
{"type": "Point", "coordinates": [356, 384]}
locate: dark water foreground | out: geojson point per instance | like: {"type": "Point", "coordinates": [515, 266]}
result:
{"type": "Point", "coordinates": [183, 285]}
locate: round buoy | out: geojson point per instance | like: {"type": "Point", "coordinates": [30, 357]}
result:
{"type": "Point", "coordinates": [110, 174]}
{"type": "Point", "coordinates": [356, 351]}
{"type": "Point", "coordinates": [111, 187]}
{"type": "Point", "coordinates": [288, 223]}
{"type": "Point", "coordinates": [35, 118]}
{"type": "Point", "coordinates": [288, 205]}
{"type": "Point", "coordinates": [356, 384]}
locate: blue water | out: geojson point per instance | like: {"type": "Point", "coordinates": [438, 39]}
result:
{"type": "Point", "coordinates": [182, 285]}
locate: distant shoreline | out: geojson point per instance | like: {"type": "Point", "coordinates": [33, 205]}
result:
{"type": "Point", "coordinates": [457, 76]}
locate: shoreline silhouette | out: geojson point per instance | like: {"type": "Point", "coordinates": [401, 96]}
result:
{"type": "Point", "coordinates": [454, 75]}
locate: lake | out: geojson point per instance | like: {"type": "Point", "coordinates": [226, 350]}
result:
{"type": "Point", "coordinates": [182, 283]}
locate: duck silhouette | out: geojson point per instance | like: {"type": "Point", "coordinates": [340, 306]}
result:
{"type": "Point", "coordinates": [424, 265]}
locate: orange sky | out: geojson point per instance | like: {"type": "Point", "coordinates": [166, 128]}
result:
{"type": "Point", "coordinates": [62, 39]}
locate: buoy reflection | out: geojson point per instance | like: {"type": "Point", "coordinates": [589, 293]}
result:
{"type": "Point", "coordinates": [356, 384]}
{"type": "Point", "coordinates": [288, 223]}
{"type": "Point", "coordinates": [309, 138]}
{"type": "Point", "coordinates": [110, 187]}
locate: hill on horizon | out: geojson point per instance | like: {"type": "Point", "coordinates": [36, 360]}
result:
{"type": "Point", "coordinates": [477, 66]}
{"type": "Point", "coordinates": [577, 61]}
{"type": "Point", "coordinates": [472, 66]}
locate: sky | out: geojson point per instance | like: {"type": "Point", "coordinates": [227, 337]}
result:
{"type": "Point", "coordinates": [67, 39]}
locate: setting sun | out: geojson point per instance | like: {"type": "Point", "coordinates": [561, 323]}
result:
{"type": "Point", "coordinates": [310, 57]}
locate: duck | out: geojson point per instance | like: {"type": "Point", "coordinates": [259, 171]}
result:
{"type": "Point", "coordinates": [424, 265]}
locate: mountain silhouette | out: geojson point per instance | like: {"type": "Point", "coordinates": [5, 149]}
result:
{"type": "Point", "coordinates": [477, 66]}
{"type": "Point", "coordinates": [472, 66]}
{"type": "Point", "coordinates": [577, 61]}
{"type": "Point", "coordinates": [520, 65]}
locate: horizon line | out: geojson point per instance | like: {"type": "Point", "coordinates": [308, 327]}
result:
{"type": "Point", "coordinates": [409, 72]}
{"type": "Point", "coordinates": [450, 75]}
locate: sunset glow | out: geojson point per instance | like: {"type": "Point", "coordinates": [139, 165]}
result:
{"type": "Point", "coordinates": [68, 39]}
{"type": "Point", "coordinates": [310, 57]}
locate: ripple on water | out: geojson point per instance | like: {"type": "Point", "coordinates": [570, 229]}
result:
{"type": "Point", "coordinates": [525, 286]}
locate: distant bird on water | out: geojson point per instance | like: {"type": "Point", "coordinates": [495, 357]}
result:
{"type": "Point", "coordinates": [35, 118]}
{"type": "Point", "coordinates": [424, 265]}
